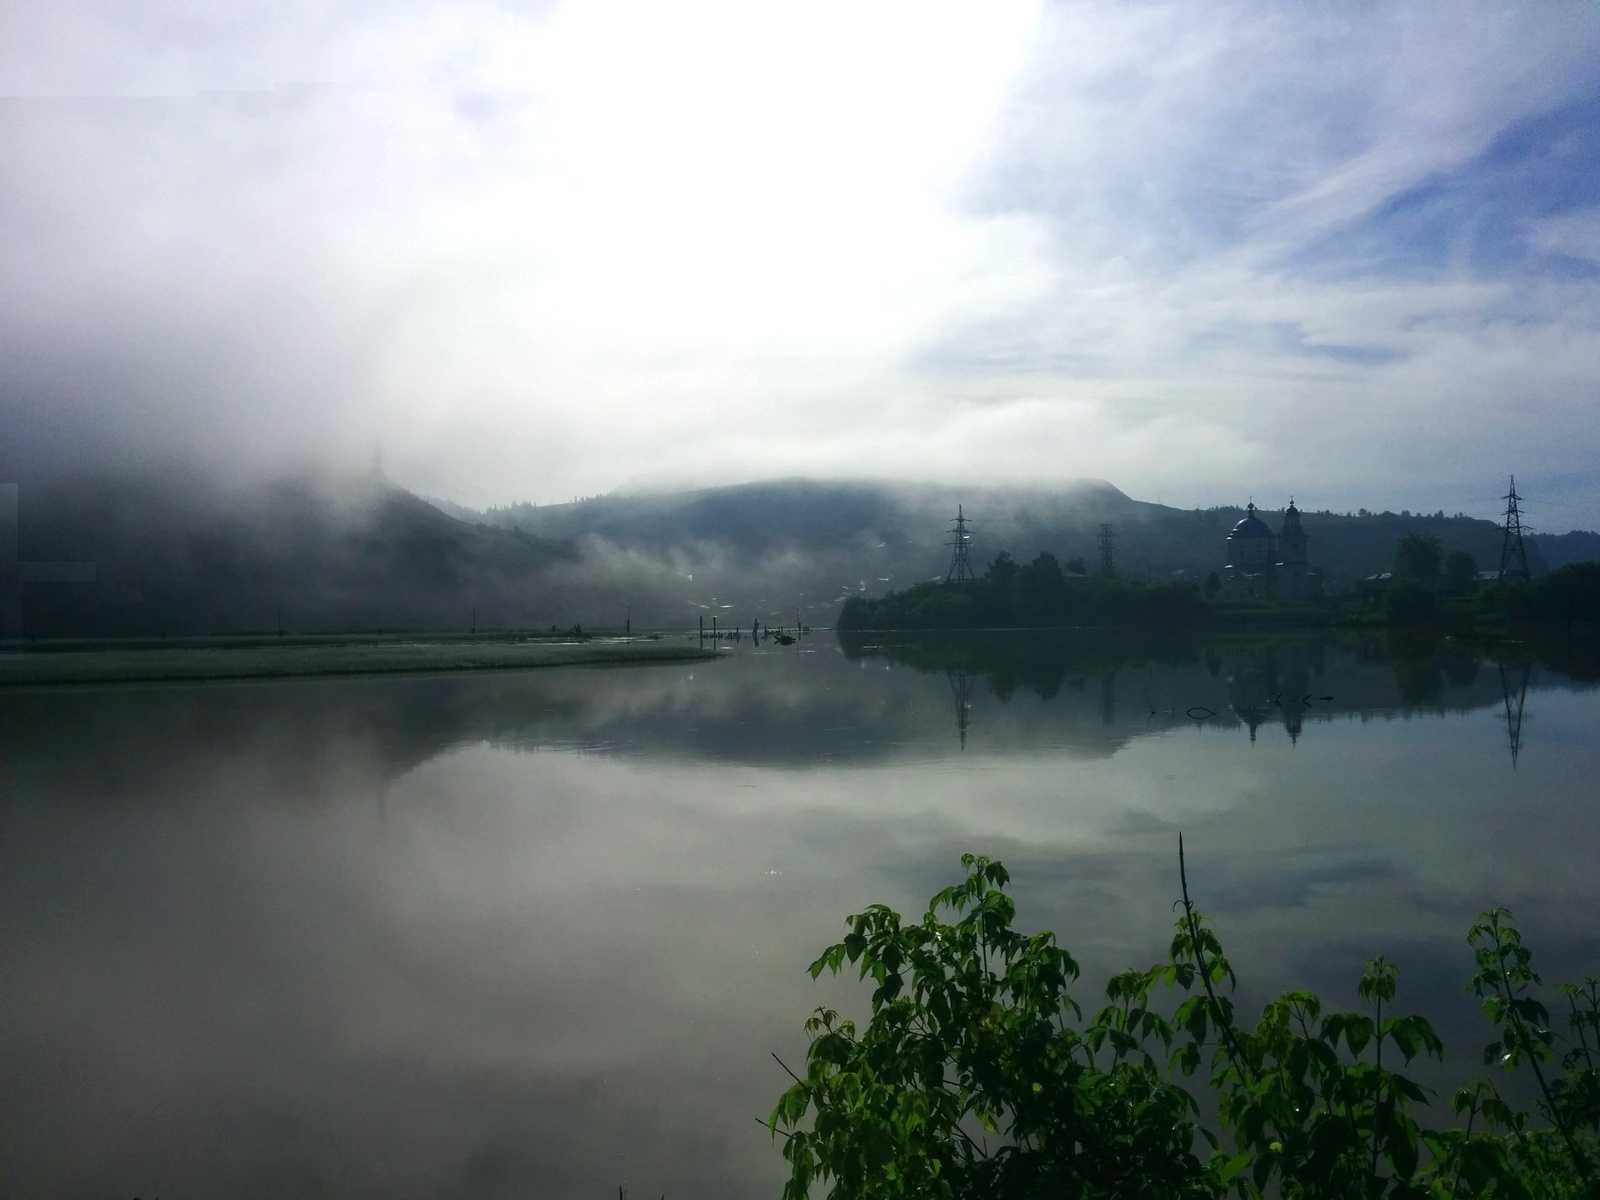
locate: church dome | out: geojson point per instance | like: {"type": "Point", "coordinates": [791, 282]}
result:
{"type": "Point", "coordinates": [1251, 527]}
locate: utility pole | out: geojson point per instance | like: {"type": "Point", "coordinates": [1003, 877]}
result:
{"type": "Point", "coordinates": [1108, 538]}
{"type": "Point", "coordinates": [1513, 554]}
{"type": "Point", "coordinates": [960, 564]}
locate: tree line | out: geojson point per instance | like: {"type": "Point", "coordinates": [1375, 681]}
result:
{"type": "Point", "coordinates": [1424, 576]}
{"type": "Point", "coordinates": [1033, 595]}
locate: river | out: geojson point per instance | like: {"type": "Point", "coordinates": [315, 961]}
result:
{"type": "Point", "coordinates": [540, 933]}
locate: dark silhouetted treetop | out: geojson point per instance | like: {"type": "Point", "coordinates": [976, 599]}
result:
{"type": "Point", "coordinates": [1418, 555]}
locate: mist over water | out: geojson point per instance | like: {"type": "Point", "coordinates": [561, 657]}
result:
{"type": "Point", "coordinates": [538, 933]}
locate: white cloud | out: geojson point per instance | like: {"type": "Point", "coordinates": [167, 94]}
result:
{"type": "Point", "coordinates": [567, 246]}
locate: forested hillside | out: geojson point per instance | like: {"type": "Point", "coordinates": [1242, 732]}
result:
{"type": "Point", "coordinates": [183, 554]}
{"type": "Point", "coordinates": [191, 553]}
{"type": "Point", "coordinates": [889, 535]}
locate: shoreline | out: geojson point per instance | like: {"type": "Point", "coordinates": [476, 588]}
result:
{"type": "Point", "coordinates": [192, 664]}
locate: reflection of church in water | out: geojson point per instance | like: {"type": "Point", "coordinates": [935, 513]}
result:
{"type": "Point", "coordinates": [1286, 683]}
{"type": "Point", "coordinates": [1277, 685]}
{"type": "Point", "coordinates": [1261, 563]}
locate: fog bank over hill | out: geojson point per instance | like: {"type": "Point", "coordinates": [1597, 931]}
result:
{"type": "Point", "coordinates": [184, 552]}
{"type": "Point", "coordinates": [819, 541]}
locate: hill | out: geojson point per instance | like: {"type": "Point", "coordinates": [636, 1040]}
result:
{"type": "Point", "coordinates": [1560, 549]}
{"type": "Point", "coordinates": [184, 553]}
{"type": "Point", "coordinates": [189, 553]}
{"type": "Point", "coordinates": [817, 543]}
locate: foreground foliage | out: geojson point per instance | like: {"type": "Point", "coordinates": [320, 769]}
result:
{"type": "Point", "coordinates": [978, 1075]}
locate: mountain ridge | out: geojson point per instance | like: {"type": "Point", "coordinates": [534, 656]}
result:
{"type": "Point", "coordinates": [180, 553]}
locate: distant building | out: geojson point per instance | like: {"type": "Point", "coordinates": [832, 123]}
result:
{"type": "Point", "coordinates": [1372, 587]}
{"type": "Point", "coordinates": [1263, 564]}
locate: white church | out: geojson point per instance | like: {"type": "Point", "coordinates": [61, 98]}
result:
{"type": "Point", "coordinates": [1261, 563]}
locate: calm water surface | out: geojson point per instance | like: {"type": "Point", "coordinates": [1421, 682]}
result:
{"type": "Point", "coordinates": [538, 934]}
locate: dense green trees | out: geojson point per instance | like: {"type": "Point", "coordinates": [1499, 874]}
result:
{"type": "Point", "coordinates": [1567, 596]}
{"type": "Point", "coordinates": [1037, 594]}
{"type": "Point", "coordinates": [1411, 602]}
{"type": "Point", "coordinates": [1418, 556]}
{"type": "Point", "coordinates": [977, 1075]}
{"type": "Point", "coordinates": [1460, 571]}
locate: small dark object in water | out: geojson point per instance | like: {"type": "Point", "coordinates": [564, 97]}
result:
{"type": "Point", "coordinates": [1200, 713]}
{"type": "Point", "coordinates": [783, 639]}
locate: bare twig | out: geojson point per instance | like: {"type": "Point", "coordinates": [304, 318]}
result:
{"type": "Point", "coordinates": [785, 1066]}
{"type": "Point", "coordinates": [1224, 1027]}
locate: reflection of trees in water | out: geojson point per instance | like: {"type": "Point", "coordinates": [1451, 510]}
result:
{"type": "Point", "coordinates": [1419, 682]}
{"type": "Point", "coordinates": [1460, 670]}
{"type": "Point", "coordinates": [1287, 681]}
{"type": "Point", "coordinates": [1039, 663]}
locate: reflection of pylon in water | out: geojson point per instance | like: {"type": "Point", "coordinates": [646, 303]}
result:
{"type": "Point", "coordinates": [1514, 686]}
{"type": "Point", "coordinates": [961, 692]}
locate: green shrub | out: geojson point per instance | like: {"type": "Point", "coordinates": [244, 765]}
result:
{"type": "Point", "coordinates": [978, 1076]}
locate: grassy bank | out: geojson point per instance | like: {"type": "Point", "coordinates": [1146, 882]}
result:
{"type": "Point", "coordinates": [109, 663]}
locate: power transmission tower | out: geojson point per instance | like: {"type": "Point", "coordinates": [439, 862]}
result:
{"type": "Point", "coordinates": [960, 565]}
{"type": "Point", "coordinates": [1513, 554]}
{"type": "Point", "coordinates": [1108, 537]}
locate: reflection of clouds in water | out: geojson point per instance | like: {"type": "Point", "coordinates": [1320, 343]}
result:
{"type": "Point", "coordinates": [334, 933]}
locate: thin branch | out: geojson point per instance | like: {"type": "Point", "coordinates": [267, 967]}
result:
{"type": "Point", "coordinates": [1226, 1028]}
{"type": "Point", "coordinates": [1579, 1159]}
{"type": "Point", "coordinates": [785, 1066]}
{"type": "Point", "coordinates": [773, 1128]}
{"type": "Point", "coordinates": [1377, 1092]}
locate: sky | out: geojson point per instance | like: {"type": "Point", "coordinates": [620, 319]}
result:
{"type": "Point", "coordinates": [1207, 251]}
